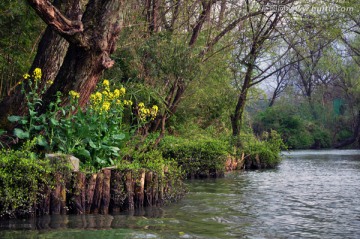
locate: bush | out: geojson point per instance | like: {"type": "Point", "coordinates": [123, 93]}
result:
{"type": "Point", "coordinates": [22, 178]}
{"type": "Point", "coordinates": [296, 131]}
{"type": "Point", "coordinates": [263, 153]}
{"type": "Point", "coordinates": [196, 157]}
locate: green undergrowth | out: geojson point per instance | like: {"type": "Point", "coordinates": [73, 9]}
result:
{"type": "Point", "coordinates": [268, 150]}
{"type": "Point", "coordinates": [196, 156]}
{"type": "Point", "coordinates": [23, 178]}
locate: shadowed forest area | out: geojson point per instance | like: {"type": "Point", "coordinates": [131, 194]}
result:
{"type": "Point", "coordinates": [177, 86]}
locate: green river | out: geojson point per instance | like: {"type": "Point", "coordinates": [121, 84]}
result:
{"type": "Point", "coordinates": [312, 194]}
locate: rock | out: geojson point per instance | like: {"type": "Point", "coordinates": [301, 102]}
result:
{"type": "Point", "coordinates": [73, 161]}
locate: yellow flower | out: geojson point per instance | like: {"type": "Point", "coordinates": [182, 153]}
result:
{"type": "Point", "coordinates": [104, 92]}
{"type": "Point", "coordinates": [141, 105]}
{"type": "Point", "coordinates": [37, 74]}
{"type": "Point", "coordinates": [117, 93]}
{"type": "Point", "coordinates": [155, 108]}
{"type": "Point", "coordinates": [96, 98]}
{"type": "Point", "coordinates": [106, 83]}
{"type": "Point", "coordinates": [26, 76]}
{"type": "Point", "coordinates": [98, 95]}
{"type": "Point", "coordinates": [106, 106]}
{"type": "Point", "coordinates": [19, 83]}
{"type": "Point", "coordinates": [123, 90]}
{"type": "Point", "coordinates": [74, 94]}
{"type": "Point", "coordinates": [128, 102]}
{"type": "Point", "coordinates": [111, 96]}
{"type": "Point", "coordinates": [154, 111]}
{"type": "Point", "coordinates": [49, 82]}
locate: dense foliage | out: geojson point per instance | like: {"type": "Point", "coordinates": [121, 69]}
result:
{"type": "Point", "coordinates": [196, 156]}
{"type": "Point", "coordinates": [190, 84]}
{"type": "Point", "coordinates": [24, 178]}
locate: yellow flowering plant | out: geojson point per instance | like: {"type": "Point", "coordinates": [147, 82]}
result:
{"type": "Point", "coordinates": [30, 125]}
{"type": "Point", "coordinates": [97, 133]}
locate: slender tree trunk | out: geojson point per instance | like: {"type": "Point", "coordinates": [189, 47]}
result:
{"type": "Point", "coordinates": [236, 118]}
{"type": "Point", "coordinates": [273, 98]}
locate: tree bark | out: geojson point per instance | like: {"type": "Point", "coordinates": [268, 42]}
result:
{"type": "Point", "coordinates": [89, 51]}
{"type": "Point", "coordinates": [236, 118]}
{"type": "Point", "coordinates": [50, 54]}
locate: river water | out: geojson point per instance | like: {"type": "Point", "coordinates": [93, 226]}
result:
{"type": "Point", "coordinates": [312, 194]}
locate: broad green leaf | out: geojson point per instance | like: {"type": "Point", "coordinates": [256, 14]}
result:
{"type": "Point", "coordinates": [99, 160]}
{"type": "Point", "coordinates": [118, 136]}
{"type": "Point", "coordinates": [38, 127]}
{"type": "Point", "coordinates": [42, 141]}
{"type": "Point", "coordinates": [14, 118]}
{"type": "Point", "coordinates": [32, 112]}
{"type": "Point", "coordinates": [82, 153]}
{"type": "Point", "coordinates": [54, 121]}
{"type": "Point", "coordinates": [114, 149]}
{"type": "Point", "coordinates": [92, 144]}
{"type": "Point", "coordinates": [21, 134]}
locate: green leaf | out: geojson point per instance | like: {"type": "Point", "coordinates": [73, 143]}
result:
{"type": "Point", "coordinates": [32, 112]}
{"type": "Point", "coordinates": [14, 118]}
{"type": "Point", "coordinates": [42, 141]}
{"type": "Point", "coordinates": [21, 134]}
{"type": "Point", "coordinates": [114, 149]}
{"type": "Point", "coordinates": [118, 136]}
{"type": "Point", "coordinates": [92, 144]}
{"type": "Point", "coordinates": [99, 160]}
{"type": "Point", "coordinates": [38, 127]}
{"type": "Point", "coordinates": [82, 153]}
{"type": "Point", "coordinates": [54, 122]}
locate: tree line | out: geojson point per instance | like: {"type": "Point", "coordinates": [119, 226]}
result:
{"type": "Point", "coordinates": [221, 66]}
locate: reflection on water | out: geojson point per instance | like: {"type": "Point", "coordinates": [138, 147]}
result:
{"type": "Point", "coordinates": [312, 194]}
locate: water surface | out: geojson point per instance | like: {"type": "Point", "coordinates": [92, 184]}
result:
{"type": "Point", "coordinates": [312, 194]}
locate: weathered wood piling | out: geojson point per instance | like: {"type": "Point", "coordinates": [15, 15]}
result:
{"type": "Point", "coordinates": [107, 191]}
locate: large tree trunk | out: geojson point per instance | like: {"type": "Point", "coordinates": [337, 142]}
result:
{"type": "Point", "coordinates": [51, 51]}
{"type": "Point", "coordinates": [89, 51]}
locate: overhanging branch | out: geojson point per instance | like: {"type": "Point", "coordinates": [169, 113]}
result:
{"type": "Point", "coordinates": [54, 18]}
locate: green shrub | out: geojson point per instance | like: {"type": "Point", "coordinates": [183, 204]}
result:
{"type": "Point", "coordinates": [196, 156]}
{"type": "Point", "coordinates": [267, 150]}
{"type": "Point", "coordinates": [22, 178]}
{"type": "Point", "coordinates": [322, 138]}
{"type": "Point", "coordinates": [296, 130]}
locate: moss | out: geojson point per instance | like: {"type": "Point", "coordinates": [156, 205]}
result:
{"type": "Point", "coordinates": [23, 179]}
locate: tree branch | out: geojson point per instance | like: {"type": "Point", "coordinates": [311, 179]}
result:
{"type": "Point", "coordinates": [227, 29]}
{"type": "Point", "coordinates": [54, 18]}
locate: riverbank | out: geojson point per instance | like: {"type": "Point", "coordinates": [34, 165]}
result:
{"type": "Point", "coordinates": [304, 197]}
{"type": "Point", "coordinates": [34, 187]}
